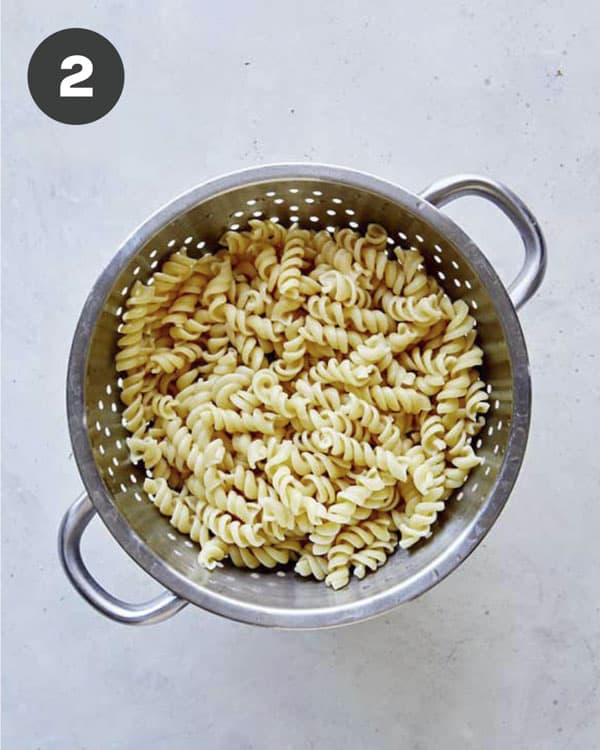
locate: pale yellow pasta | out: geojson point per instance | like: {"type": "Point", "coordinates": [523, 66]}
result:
{"type": "Point", "coordinates": [300, 398]}
{"type": "Point", "coordinates": [424, 310]}
{"type": "Point", "coordinates": [344, 372]}
{"type": "Point", "coordinates": [310, 564]}
{"type": "Point", "coordinates": [373, 555]}
{"type": "Point", "coordinates": [268, 556]}
{"type": "Point", "coordinates": [338, 339]}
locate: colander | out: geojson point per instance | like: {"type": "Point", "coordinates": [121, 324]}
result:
{"type": "Point", "coordinates": [316, 196]}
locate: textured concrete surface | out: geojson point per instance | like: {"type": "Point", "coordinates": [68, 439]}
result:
{"type": "Point", "coordinates": [506, 652]}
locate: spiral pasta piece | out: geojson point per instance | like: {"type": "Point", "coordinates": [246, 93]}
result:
{"type": "Point", "coordinates": [345, 372]}
{"type": "Point", "coordinates": [372, 556]}
{"type": "Point", "coordinates": [310, 564]}
{"type": "Point", "coordinates": [288, 280]}
{"type": "Point", "coordinates": [396, 399]}
{"type": "Point", "coordinates": [268, 556]}
{"type": "Point", "coordinates": [176, 269]}
{"type": "Point", "coordinates": [362, 454]}
{"type": "Point", "coordinates": [291, 361]}
{"type": "Point", "coordinates": [337, 338]}
{"type": "Point", "coordinates": [212, 552]}
{"type": "Point", "coordinates": [340, 287]}
{"type": "Point", "coordinates": [349, 541]}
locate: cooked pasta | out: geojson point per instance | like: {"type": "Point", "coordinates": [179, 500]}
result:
{"type": "Point", "coordinates": [300, 397]}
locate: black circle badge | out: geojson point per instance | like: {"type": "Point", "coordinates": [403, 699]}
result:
{"type": "Point", "coordinates": [76, 76]}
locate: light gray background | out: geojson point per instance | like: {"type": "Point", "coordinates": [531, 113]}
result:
{"type": "Point", "coordinates": [506, 652]}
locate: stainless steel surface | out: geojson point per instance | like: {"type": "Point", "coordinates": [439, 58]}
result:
{"type": "Point", "coordinates": [73, 525]}
{"type": "Point", "coordinates": [317, 196]}
{"type": "Point", "coordinates": [532, 272]}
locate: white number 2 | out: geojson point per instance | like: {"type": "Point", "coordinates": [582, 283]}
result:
{"type": "Point", "coordinates": [67, 84]}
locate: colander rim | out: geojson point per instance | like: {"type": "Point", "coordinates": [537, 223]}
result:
{"type": "Point", "coordinates": [330, 615]}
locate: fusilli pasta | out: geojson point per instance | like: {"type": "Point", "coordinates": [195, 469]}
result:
{"type": "Point", "coordinates": [300, 397]}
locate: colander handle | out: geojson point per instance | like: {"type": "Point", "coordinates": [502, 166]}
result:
{"type": "Point", "coordinates": [71, 530]}
{"type": "Point", "coordinates": [531, 274]}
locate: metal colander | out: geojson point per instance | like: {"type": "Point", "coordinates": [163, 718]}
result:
{"type": "Point", "coordinates": [316, 197]}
